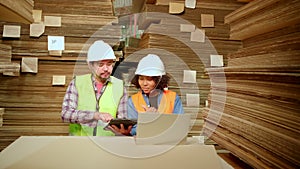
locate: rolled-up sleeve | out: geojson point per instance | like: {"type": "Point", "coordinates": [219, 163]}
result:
{"type": "Point", "coordinates": [122, 109]}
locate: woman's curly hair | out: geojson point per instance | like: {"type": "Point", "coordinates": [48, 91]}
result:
{"type": "Point", "coordinates": [162, 83]}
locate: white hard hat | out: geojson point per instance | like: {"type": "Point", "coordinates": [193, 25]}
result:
{"type": "Point", "coordinates": [100, 50]}
{"type": "Point", "coordinates": [150, 65]}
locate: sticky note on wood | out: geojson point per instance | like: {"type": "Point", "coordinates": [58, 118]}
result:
{"type": "Point", "coordinates": [37, 29]}
{"type": "Point", "coordinates": [187, 28]}
{"type": "Point", "coordinates": [176, 8]}
{"type": "Point", "coordinates": [56, 43]}
{"type": "Point", "coordinates": [198, 35]}
{"type": "Point", "coordinates": [37, 16]}
{"type": "Point", "coordinates": [192, 100]}
{"type": "Point", "coordinates": [29, 64]}
{"type": "Point", "coordinates": [190, 4]}
{"type": "Point", "coordinates": [52, 21]}
{"type": "Point", "coordinates": [189, 76]}
{"type": "Point", "coordinates": [216, 60]}
{"type": "Point", "coordinates": [207, 20]}
{"type": "Point", "coordinates": [12, 31]}
{"type": "Point", "coordinates": [58, 80]}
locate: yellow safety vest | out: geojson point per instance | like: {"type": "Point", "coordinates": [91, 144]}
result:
{"type": "Point", "coordinates": [108, 102]}
{"type": "Point", "coordinates": [166, 104]}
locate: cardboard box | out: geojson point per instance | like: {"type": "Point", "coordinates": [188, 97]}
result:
{"type": "Point", "coordinates": [176, 8]}
{"type": "Point", "coordinates": [216, 60]}
{"type": "Point", "coordinates": [109, 152]}
{"type": "Point", "coordinates": [58, 80]}
{"type": "Point", "coordinates": [207, 20]}
{"type": "Point", "coordinates": [187, 28]}
{"type": "Point", "coordinates": [29, 64]}
{"type": "Point", "coordinates": [37, 29]}
{"type": "Point", "coordinates": [52, 21]}
{"type": "Point", "coordinates": [198, 35]}
{"type": "Point", "coordinates": [37, 16]}
{"type": "Point", "coordinates": [11, 31]}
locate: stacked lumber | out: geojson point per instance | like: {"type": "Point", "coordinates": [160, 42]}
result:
{"type": "Point", "coordinates": [5, 53]}
{"type": "Point", "coordinates": [244, 26]}
{"type": "Point", "coordinates": [254, 111]}
{"type": "Point", "coordinates": [276, 48]}
{"type": "Point", "coordinates": [1, 116]}
{"type": "Point", "coordinates": [32, 103]}
{"type": "Point", "coordinates": [6, 66]}
{"type": "Point", "coordinates": [82, 22]}
{"type": "Point", "coordinates": [17, 11]}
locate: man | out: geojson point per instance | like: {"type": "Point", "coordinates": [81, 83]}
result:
{"type": "Point", "coordinates": [92, 100]}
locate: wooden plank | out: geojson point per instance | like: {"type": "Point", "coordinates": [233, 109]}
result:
{"type": "Point", "coordinates": [253, 154]}
{"type": "Point", "coordinates": [5, 53]}
{"type": "Point", "coordinates": [20, 11]}
{"type": "Point", "coordinates": [274, 15]}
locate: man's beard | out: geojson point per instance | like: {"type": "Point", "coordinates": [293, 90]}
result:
{"type": "Point", "coordinates": [101, 78]}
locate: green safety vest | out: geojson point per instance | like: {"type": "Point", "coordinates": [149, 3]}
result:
{"type": "Point", "coordinates": [108, 102]}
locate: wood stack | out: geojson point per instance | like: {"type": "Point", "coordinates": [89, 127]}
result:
{"type": "Point", "coordinates": [20, 11]}
{"type": "Point", "coordinates": [254, 111]}
{"type": "Point", "coordinates": [6, 66]}
{"type": "Point", "coordinates": [82, 23]}
{"type": "Point", "coordinates": [32, 104]}
{"type": "Point", "coordinates": [1, 116]}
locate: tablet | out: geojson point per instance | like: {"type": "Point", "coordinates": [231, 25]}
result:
{"type": "Point", "coordinates": [126, 122]}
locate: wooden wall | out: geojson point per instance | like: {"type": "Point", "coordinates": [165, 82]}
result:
{"type": "Point", "coordinates": [259, 120]}
{"type": "Point", "coordinates": [32, 105]}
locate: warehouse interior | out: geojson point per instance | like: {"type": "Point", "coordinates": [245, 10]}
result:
{"type": "Point", "coordinates": [234, 63]}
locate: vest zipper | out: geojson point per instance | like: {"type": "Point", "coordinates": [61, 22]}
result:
{"type": "Point", "coordinates": [97, 105]}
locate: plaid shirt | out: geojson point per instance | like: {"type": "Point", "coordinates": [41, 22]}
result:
{"type": "Point", "coordinates": [70, 113]}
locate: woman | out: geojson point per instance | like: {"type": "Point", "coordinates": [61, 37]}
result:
{"type": "Point", "coordinates": [154, 96]}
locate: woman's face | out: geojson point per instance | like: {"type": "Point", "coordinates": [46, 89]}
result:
{"type": "Point", "coordinates": [146, 83]}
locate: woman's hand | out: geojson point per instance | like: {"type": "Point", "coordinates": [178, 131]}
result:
{"type": "Point", "coordinates": [121, 130]}
{"type": "Point", "coordinates": [149, 109]}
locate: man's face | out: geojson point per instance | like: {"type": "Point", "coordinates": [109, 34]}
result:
{"type": "Point", "coordinates": [102, 69]}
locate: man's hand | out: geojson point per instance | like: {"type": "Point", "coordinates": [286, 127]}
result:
{"type": "Point", "coordinates": [105, 117]}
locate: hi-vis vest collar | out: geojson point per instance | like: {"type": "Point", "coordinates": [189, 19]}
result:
{"type": "Point", "coordinates": [166, 104]}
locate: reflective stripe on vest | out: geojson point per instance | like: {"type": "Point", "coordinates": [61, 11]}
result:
{"type": "Point", "coordinates": [109, 102]}
{"type": "Point", "coordinates": [166, 104]}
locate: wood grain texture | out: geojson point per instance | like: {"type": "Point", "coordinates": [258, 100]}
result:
{"type": "Point", "coordinates": [254, 113]}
